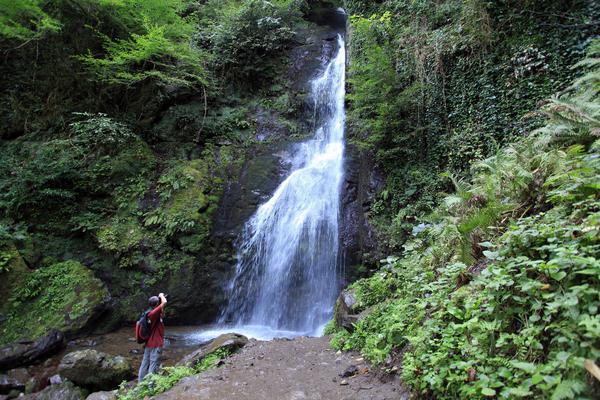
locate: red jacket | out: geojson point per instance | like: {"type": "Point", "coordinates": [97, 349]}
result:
{"type": "Point", "coordinates": [157, 328]}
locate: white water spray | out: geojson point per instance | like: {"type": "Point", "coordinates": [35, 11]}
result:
{"type": "Point", "coordinates": [288, 272]}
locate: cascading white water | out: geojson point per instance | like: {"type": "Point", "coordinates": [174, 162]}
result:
{"type": "Point", "coordinates": [288, 272]}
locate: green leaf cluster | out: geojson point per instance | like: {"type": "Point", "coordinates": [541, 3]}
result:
{"type": "Point", "coordinates": [496, 295]}
{"type": "Point", "coordinates": [158, 46]}
{"type": "Point", "coordinates": [246, 38]}
{"type": "Point", "coordinates": [58, 174]}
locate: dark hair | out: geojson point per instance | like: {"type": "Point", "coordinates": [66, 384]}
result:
{"type": "Point", "coordinates": [153, 301]}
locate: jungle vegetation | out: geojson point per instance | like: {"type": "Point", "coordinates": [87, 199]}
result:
{"type": "Point", "coordinates": [491, 145]}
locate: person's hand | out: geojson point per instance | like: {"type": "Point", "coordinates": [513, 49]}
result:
{"type": "Point", "coordinates": [161, 295]}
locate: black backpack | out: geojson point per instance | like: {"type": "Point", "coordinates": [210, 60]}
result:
{"type": "Point", "coordinates": [142, 328]}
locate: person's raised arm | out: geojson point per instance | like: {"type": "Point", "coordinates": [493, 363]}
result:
{"type": "Point", "coordinates": [163, 300]}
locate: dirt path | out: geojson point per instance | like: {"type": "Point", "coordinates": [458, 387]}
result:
{"type": "Point", "coordinates": [303, 368]}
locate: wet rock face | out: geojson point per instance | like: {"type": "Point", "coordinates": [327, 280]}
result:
{"type": "Point", "coordinates": [78, 299]}
{"type": "Point", "coordinates": [95, 370]}
{"type": "Point", "coordinates": [329, 13]}
{"type": "Point", "coordinates": [25, 353]}
{"type": "Point", "coordinates": [362, 183]}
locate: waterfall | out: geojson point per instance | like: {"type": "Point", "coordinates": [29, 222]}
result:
{"type": "Point", "coordinates": [288, 272]}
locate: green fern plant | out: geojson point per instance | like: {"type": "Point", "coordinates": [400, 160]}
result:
{"type": "Point", "coordinates": [574, 117]}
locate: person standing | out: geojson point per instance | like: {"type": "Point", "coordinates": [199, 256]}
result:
{"type": "Point", "coordinates": [154, 345]}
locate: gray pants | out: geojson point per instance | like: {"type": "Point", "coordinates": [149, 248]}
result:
{"type": "Point", "coordinates": [150, 362]}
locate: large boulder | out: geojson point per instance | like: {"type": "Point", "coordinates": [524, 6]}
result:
{"type": "Point", "coordinates": [65, 296]}
{"type": "Point", "coordinates": [229, 341]}
{"type": "Point", "coordinates": [95, 370]}
{"type": "Point", "coordinates": [27, 352]}
{"type": "Point", "coordinates": [112, 395]}
{"type": "Point", "coordinates": [63, 391]}
{"type": "Point", "coordinates": [345, 313]}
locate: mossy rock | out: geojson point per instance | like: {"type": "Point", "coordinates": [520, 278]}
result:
{"type": "Point", "coordinates": [230, 342]}
{"type": "Point", "coordinates": [12, 274]}
{"type": "Point", "coordinates": [191, 202]}
{"type": "Point", "coordinates": [121, 235]}
{"type": "Point", "coordinates": [64, 296]}
{"type": "Point", "coordinates": [63, 391]}
{"type": "Point", "coordinates": [180, 123]}
{"type": "Point", "coordinates": [188, 211]}
{"type": "Point", "coordinates": [95, 370]}
{"type": "Point", "coordinates": [130, 161]}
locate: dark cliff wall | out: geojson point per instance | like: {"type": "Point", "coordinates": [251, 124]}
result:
{"type": "Point", "coordinates": [359, 240]}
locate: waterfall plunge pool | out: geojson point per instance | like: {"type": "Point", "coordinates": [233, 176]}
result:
{"type": "Point", "coordinates": [258, 332]}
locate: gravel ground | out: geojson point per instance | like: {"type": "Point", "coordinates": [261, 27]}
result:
{"type": "Point", "coordinates": [303, 368]}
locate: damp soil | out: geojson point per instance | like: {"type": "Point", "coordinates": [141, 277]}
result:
{"type": "Point", "coordinates": [302, 368]}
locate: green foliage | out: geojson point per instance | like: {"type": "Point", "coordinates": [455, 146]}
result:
{"type": "Point", "coordinates": [155, 42]}
{"type": "Point", "coordinates": [25, 20]}
{"type": "Point", "coordinates": [157, 47]}
{"type": "Point", "coordinates": [54, 296]}
{"type": "Point", "coordinates": [120, 236]}
{"type": "Point", "coordinates": [119, 129]}
{"type": "Point", "coordinates": [155, 384]}
{"type": "Point", "coordinates": [497, 295]}
{"type": "Point", "coordinates": [523, 326]}
{"type": "Point", "coordinates": [575, 116]}
{"type": "Point", "coordinates": [61, 172]}
{"type": "Point", "coordinates": [189, 197]}
{"type": "Point", "coordinates": [5, 258]}
{"type": "Point", "coordinates": [6, 251]}
{"type": "Point", "coordinates": [186, 196]}
{"type": "Point", "coordinates": [100, 132]}
{"type": "Point", "coordinates": [247, 38]}
{"type": "Point", "coordinates": [434, 86]}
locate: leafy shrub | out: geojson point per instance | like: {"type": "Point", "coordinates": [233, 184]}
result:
{"type": "Point", "coordinates": [99, 132]}
{"type": "Point", "coordinates": [575, 115]}
{"type": "Point", "coordinates": [187, 199]}
{"type": "Point", "coordinates": [497, 295]}
{"type": "Point", "coordinates": [522, 328]}
{"type": "Point", "coordinates": [95, 157]}
{"type": "Point", "coordinates": [157, 46]}
{"type": "Point", "coordinates": [432, 87]}
{"type": "Point", "coordinates": [246, 41]}
{"type": "Point", "coordinates": [25, 20]}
